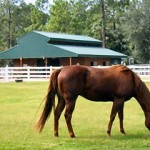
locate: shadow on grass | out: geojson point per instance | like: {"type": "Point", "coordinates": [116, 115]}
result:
{"type": "Point", "coordinates": [119, 137]}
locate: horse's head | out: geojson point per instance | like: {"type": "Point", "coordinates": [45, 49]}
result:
{"type": "Point", "coordinates": [147, 123]}
{"type": "Point", "coordinates": [143, 97]}
{"type": "Point", "coordinates": [147, 112]}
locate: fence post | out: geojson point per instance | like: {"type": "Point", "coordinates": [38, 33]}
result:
{"type": "Point", "coordinates": [51, 70]}
{"type": "Point", "coordinates": [28, 73]}
{"type": "Point", "coordinates": [6, 73]}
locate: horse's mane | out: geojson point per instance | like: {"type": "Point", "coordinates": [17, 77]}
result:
{"type": "Point", "coordinates": [122, 68]}
{"type": "Point", "coordinates": [140, 87]}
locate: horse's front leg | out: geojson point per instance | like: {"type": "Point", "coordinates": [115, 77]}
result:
{"type": "Point", "coordinates": [115, 108]}
{"type": "Point", "coordinates": [70, 105]}
{"type": "Point", "coordinates": [60, 107]}
{"type": "Point", "coordinates": [120, 115]}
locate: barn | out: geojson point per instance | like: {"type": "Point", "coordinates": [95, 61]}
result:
{"type": "Point", "coordinates": [39, 48]}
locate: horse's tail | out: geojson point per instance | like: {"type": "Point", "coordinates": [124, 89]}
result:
{"type": "Point", "coordinates": [49, 100]}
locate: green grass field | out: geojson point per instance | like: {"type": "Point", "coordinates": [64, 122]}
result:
{"type": "Point", "coordinates": [18, 106]}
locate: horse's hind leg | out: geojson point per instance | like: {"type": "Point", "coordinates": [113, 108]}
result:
{"type": "Point", "coordinates": [120, 115]}
{"type": "Point", "coordinates": [70, 105]}
{"type": "Point", "coordinates": [115, 108]}
{"type": "Point", "coordinates": [60, 107]}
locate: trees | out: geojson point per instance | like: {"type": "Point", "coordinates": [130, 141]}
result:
{"type": "Point", "coordinates": [59, 17]}
{"type": "Point", "coordinates": [13, 21]}
{"type": "Point", "coordinates": [17, 18]}
{"type": "Point", "coordinates": [137, 29]}
{"type": "Point", "coordinates": [68, 16]}
{"type": "Point", "coordinates": [114, 20]}
{"type": "Point", "coordinates": [37, 19]}
{"type": "Point", "coordinates": [6, 20]}
{"type": "Point", "coordinates": [125, 23]}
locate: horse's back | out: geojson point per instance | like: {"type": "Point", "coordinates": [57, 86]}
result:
{"type": "Point", "coordinates": [96, 83]}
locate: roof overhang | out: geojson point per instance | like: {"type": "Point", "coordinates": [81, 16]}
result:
{"type": "Point", "coordinates": [59, 51]}
{"type": "Point", "coordinates": [83, 51]}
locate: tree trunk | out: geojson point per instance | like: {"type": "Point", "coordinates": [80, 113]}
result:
{"type": "Point", "coordinates": [9, 28]}
{"type": "Point", "coordinates": [103, 24]}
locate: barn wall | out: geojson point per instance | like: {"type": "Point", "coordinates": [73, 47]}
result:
{"type": "Point", "coordinates": [74, 61]}
{"type": "Point", "coordinates": [66, 61]}
{"type": "Point", "coordinates": [97, 61]}
{"type": "Point", "coordinates": [86, 61]}
{"type": "Point", "coordinates": [25, 62]}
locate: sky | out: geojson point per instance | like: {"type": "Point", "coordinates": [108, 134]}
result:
{"type": "Point", "coordinates": [30, 1]}
{"type": "Point", "coordinates": [33, 1]}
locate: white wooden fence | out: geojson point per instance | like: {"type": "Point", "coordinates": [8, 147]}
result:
{"type": "Point", "coordinates": [142, 70]}
{"type": "Point", "coordinates": [43, 73]}
{"type": "Point", "coordinates": [25, 73]}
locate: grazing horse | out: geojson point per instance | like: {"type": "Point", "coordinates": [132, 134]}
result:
{"type": "Point", "coordinates": [117, 84]}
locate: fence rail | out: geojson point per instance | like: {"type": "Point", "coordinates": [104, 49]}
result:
{"type": "Point", "coordinates": [142, 70]}
{"type": "Point", "coordinates": [43, 73]}
{"type": "Point", "coordinates": [26, 73]}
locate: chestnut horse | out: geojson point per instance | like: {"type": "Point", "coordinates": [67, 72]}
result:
{"type": "Point", "coordinates": [117, 84]}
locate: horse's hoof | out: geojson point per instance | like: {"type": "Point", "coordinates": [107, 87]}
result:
{"type": "Point", "coordinates": [123, 132]}
{"type": "Point", "coordinates": [56, 135]}
{"type": "Point", "coordinates": [108, 134]}
{"type": "Point", "coordinates": [72, 136]}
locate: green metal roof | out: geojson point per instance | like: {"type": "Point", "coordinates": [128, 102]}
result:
{"type": "Point", "coordinates": [67, 36]}
{"type": "Point", "coordinates": [91, 51]}
{"type": "Point", "coordinates": [38, 52]}
{"type": "Point", "coordinates": [61, 37]}
{"type": "Point", "coordinates": [35, 45]}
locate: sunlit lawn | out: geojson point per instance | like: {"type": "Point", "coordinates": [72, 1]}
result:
{"type": "Point", "coordinates": [18, 106]}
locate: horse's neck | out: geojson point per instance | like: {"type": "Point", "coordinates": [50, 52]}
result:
{"type": "Point", "coordinates": [143, 97]}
